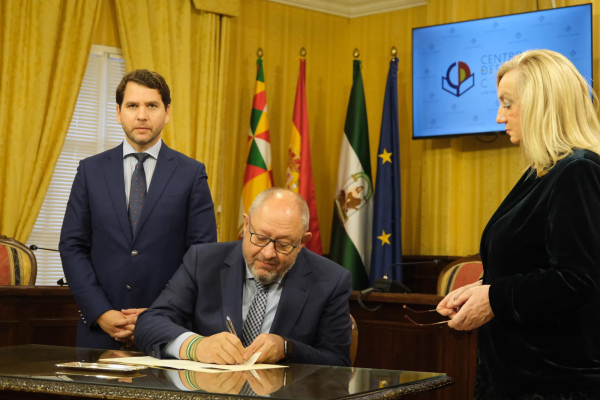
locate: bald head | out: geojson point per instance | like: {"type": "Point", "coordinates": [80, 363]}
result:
{"type": "Point", "coordinates": [275, 230]}
{"type": "Point", "coordinates": [283, 200]}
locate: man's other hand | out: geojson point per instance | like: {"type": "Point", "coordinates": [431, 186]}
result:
{"type": "Point", "coordinates": [269, 345]}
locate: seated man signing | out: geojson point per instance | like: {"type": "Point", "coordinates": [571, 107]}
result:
{"type": "Point", "coordinates": [284, 301]}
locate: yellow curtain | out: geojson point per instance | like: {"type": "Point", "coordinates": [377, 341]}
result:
{"type": "Point", "coordinates": [225, 7]}
{"type": "Point", "coordinates": [450, 187]}
{"type": "Point", "coordinates": [44, 52]}
{"type": "Point", "coordinates": [189, 48]}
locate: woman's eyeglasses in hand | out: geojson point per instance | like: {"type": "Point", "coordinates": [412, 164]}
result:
{"type": "Point", "coordinates": [456, 309]}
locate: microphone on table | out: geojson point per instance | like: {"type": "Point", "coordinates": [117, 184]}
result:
{"type": "Point", "coordinates": [62, 281]}
{"type": "Point", "coordinates": [386, 285]}
{"type": "Point", "coordinates": [34, 247]}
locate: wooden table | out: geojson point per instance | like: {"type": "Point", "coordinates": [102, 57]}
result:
{"type": "Point", "coordinates": [29, 372]}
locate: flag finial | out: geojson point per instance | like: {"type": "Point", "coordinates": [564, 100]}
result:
{"type": "Point", "coordinates": [356, 53]}
{"type": "Point", "coordinates": [394, 52]}
{"type": "Point", "coordinates": [303, 52]}
{"type": "Point", "coordinates": [259, 52]}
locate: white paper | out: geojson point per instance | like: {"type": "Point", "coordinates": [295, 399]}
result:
{"type": "Point", "coordinates": [192, 365]}
{"type": "Point", "coordinates": [253, 359]}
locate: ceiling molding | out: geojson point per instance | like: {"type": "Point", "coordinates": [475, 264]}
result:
{"type": "Point", "coordinates": [353, 8]}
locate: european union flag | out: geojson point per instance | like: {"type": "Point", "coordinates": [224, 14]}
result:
{"type": "Point", "coordinates": [387, 234]}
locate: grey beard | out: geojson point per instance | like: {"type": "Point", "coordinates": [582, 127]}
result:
{"type": "Point", "coordinates": [270, 277]}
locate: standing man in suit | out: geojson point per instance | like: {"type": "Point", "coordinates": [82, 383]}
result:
{"type": "Point", "coordinates": [133, 213]}
{"type": "Point", "coordinates": [284, 301]}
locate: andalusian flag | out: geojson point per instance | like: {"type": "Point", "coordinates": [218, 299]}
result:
{"type": "Point", "coordinates": [353, 205]}
{"type": "Point", "coordinates": [259, 174]}
{"type": "Point", "coordinates": [299, 174]}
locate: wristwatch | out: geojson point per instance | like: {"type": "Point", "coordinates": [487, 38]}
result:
{"type": "Point", "coordinates": [288, 349]}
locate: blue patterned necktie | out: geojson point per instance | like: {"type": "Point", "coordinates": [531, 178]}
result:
{"type": "Point", "coordinates": [256, 314]}
{"type": "Point", "coordinates": [137, 193]}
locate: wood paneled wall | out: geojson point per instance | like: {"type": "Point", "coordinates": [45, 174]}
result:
{"type": "Point", "coordinates": [37, 315]}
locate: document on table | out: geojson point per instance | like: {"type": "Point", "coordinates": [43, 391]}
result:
{"type": "Point", "coordinates": [192, 365]}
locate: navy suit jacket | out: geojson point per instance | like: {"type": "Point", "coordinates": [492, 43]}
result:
{"type": "Point", "coordinates": [107, 268]}
{"type": "Point", "coordinates": [313, 310]}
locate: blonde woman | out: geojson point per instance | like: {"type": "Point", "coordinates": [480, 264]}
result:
{"type": "Point", "coordinates": [538, 305]}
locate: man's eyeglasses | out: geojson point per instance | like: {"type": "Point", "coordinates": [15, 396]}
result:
{"type": "Point", "coordinates": [281, 247]}
{"type": "Point", "coordinates": [425, 311]}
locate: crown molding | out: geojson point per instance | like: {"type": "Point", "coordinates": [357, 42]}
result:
{"type": "Point", "coordinates": [353, 8]}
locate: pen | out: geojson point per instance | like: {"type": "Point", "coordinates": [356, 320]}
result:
{"type": "Point", "coordinates": [230, 326]}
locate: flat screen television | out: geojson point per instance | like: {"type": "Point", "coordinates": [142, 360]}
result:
{"type": "Point", "coordinates": [455, 65]}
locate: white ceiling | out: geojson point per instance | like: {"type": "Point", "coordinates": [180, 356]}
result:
{"type": "Point", "coordinates": [353, 8]}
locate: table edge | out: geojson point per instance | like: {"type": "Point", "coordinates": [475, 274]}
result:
{"type": "Point", "coordinates": [110, 392]}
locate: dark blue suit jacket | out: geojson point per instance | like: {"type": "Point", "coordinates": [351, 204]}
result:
{"type": "Point", "coordinates": [313, 310]}
{"type": "Point", "coordinates": [107, 268]}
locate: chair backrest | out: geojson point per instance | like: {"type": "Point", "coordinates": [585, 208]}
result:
{"type": "Point", "coordinates": [354, 344]}
{"type": "Point", "coordinates": [18, 266]}
{"type": "Point", "coordinates": [459, 273]}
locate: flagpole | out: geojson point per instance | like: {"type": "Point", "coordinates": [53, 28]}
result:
{"type": "Point", "coordinates": [386, 236]}
{"type": "Point", "coordinates": [258, 173]}
{"type": "Point", "coordinates": [351, 228]}
{"type": "Point", "coordinates": [299, 172]}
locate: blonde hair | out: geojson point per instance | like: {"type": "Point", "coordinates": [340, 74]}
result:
{"type": "Point", "coordinates": [556, 112]}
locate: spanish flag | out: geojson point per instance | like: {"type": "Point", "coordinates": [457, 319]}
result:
{"type": "Point", "coordinates": [299, 174]}
{"type": "Point", "coordinates": [259, 173]}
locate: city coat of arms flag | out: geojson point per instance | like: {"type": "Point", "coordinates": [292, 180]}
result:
{"type": "Point", "coordinates": [259, 173]}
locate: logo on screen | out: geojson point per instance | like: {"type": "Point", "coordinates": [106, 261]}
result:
{"type": "Point", "coordinates": [458, 79]}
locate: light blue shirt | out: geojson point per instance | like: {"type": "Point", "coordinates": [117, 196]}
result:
{"type": "Point", "coordinates": [249, 291]}
{"type": "Point", "coordinates": [129, 164]}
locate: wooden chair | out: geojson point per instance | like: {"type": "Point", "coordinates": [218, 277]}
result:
{"type": "Point", "coordinates": [18, 266]}
{"type": "Point", "coordinates": [459, 273]}
{"type": "Point", "coordinates": [354, 344]}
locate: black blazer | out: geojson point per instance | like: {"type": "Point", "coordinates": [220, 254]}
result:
{"type": "Point", "coordinates": [541, 256]}
{"type": "Point", "coordinates": [313, 310]}
{"type": "Point", "coordinates": [105, 266]}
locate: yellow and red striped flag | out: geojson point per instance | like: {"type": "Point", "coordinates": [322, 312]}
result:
{"type": "Point", "coordinates": [299, 174]}
{"type": "Point", "coordinates": [259, 174]}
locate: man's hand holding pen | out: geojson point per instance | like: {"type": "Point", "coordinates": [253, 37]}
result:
{"type": "Point", "coordinates": [223, 348]}
{"type": "Point", "coordinates": [226, 348]}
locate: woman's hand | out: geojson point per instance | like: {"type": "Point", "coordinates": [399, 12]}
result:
{"type": "Point", "coordinates": [449, 306]}
{"type": "Point", "coordinates": [475, 309]}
